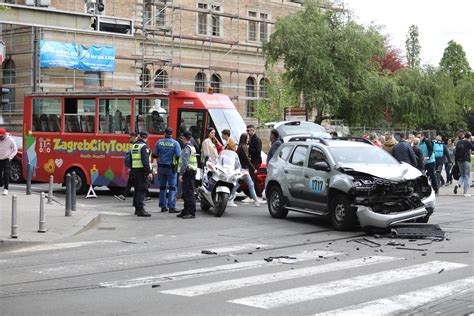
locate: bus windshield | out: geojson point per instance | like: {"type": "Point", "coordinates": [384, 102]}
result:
{"type": "Point", "coordinates": [228, 119]}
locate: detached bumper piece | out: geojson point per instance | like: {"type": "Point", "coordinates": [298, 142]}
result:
{"type": "Point", "coordinates": [369, 218]}
{"type": "Point", "coordinates": [417, 231]}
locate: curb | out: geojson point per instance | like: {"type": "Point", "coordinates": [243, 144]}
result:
{"type": "Point", "coordinates": [91, 219]}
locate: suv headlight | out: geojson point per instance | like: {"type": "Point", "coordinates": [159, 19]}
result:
{"type": "Point", "coordinates": [363, 183]}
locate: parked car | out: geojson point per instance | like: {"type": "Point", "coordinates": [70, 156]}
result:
{"type": "Point", "coordinates": [16, 173]}
{"type": "Point", "coordinates": [351, 182]}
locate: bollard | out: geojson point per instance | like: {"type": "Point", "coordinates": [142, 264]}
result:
{"type": "Point", "coordinates": [68, 195]}
{"type": "Point", "coordinates": [14, 218]}
{"type": "Point", "coordinates": [28, 179]}
{"type": "Point", "coordinates": [73, 191]}
{"type": "Point", "coordinates": [42, 220]}
{"type": "Point", "coordinates": [50, 189]}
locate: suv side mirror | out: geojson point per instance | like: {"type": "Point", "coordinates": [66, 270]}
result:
{"type": "Point", "coordinates": [321, 165]}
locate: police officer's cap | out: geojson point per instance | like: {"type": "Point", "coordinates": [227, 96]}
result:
{"type": "Point", "coordinates": [143, 134]}
{"type": "Point", "coordinates": [168, 131]}
{"type": "Point", "coordinates": [187, 134]}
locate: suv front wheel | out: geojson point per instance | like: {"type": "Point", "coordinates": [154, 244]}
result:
{"type": "Point", "coordinates": [341, 214]}
{"type": "Point", "coordinates": [276, 205]}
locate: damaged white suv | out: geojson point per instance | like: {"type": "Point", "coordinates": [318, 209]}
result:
{"type": "Point", "coordinates": [351, 182]}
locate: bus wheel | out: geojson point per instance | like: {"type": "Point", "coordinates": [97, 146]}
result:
{"type": "Point", "coordinates": [81, 181]}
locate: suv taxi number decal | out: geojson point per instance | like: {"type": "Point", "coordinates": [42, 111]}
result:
{"type": "Point", "coordinates": [317, 184]}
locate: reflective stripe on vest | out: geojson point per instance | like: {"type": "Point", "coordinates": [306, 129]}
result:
{"type": "Point", "coordinates": [192, 160]}
{"type": "Point", "coordinates": [137, 156]}
{"type": "Point", "coordinates": [438, 150]}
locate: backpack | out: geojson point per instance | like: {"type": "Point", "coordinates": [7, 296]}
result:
{"type": "Point", "coordinates": [128, 160]}
{"type": "Point", "coordinates": [455, 172]}
{"type": "Point", "coordinates": [438, 149]}
{"type": "Point", "coordinates": [460, 151]}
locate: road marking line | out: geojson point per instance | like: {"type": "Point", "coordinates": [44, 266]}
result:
{"type": "Point", "coordinates": [179, 275]}
{"type": "Point", "coordinates": [125, 261]}
{"type": "Point", "coordinates": [307, 293]}
{"type": "Point", "coordinates": [62, 246]}
{"type": "Point", "coordinates": [275, 277]}
{"type": "Point", "coordinates": [407, 301]}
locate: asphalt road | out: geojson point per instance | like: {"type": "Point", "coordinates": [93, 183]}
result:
{"type": "Point", "coordinates": [141, 266]}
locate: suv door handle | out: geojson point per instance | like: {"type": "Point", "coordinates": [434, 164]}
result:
{"type": "Point", "coordinates": [286, 171]}
{"type": "Point", "coordinates": [306, 176]}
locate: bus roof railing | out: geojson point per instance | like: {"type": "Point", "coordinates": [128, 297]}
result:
{"type": "Point", "coordinates": [100, 93]}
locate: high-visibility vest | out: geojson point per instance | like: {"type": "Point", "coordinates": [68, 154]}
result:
{"type": "Point", "coordinates": [192, 160]}
{"type": "Point", "coordinates": [136, 153]}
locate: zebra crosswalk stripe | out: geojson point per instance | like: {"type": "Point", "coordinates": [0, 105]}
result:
{"type": "Point", "coordinates": [180, 275]}
{"type": "Point", "coordinates": [307, 293]}
{"type": "Point", "coordinates": [407, 301]}
{"type": "Point", "coordinates": [275, 277]}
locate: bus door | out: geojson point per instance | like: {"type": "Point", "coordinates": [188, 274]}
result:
{"type": "Point", "coordinates": [193, 121]}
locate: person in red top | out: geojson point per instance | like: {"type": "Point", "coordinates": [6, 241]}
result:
{"type": "Point", "coordinates": [8, 151]}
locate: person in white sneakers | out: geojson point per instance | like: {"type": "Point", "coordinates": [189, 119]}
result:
{"type": "Point", "coordinates": [462, 155]}
{"type": "Point", "coordinates": [242, 152]}
{"type": "Point", "coordinates": [8, 151]}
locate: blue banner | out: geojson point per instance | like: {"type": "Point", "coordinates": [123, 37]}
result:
{"type": "Point", "coordinates": [57, 54]}
{"type": "Point", "coordinates": [94, 58]}
{"type": "Point", "coordinates": [97, 58]}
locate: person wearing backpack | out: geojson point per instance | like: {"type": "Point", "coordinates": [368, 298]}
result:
{"type": "Point", "coordinates": [441, 153]}
{"type": "Point", "coordinates": [426, 147]}
{"type": "Point", "coordinates": [462, 155]}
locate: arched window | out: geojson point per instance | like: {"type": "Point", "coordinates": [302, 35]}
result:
{"type": "Point", "coordinates": [263, 93]}
{"type": "Point", "coordinates": [200, 82]}
{"type": "Point", "coordinates": [216, 83]}
{"type": "Point", "coordinates": [250, 94]}
{"type": "Point", "coordinates": [9, 77]}
{"type": "Point", "coordinates": [161, 79]}
{"type": "Point", "coordinates": [145, 78]}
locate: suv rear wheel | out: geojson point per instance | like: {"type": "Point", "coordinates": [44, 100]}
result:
{"type": "Point", "coordinates": [276, 204]}
{"type": "Point", "coordinates": [341, 214]}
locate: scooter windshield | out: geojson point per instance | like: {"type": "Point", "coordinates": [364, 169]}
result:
{"type": "Point", "coordinates": [229, 159]}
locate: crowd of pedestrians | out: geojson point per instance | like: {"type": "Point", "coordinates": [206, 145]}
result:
{"type": "Point", "coordinates": [432, 156]}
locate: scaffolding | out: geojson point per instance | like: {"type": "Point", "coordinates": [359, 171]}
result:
{"type": "Point", "coordinates": [171, 44]}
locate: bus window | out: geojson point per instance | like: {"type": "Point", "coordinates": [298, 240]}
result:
{"type": "Point", "coordinates": [152, 115]}
{"type": "Point", "coordinates": [192, 121]}
{"type": "Point", "coordinates": [79, 115]}
{"type": "Point", "coordinates": [114, 116]}
{"type": "Point", "coordinates": [46, 114]}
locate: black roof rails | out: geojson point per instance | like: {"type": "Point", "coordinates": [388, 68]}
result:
{"type": "Point", "coordinates": [306, 138]}
{"type": "Point", "coordinates": [354, 139]}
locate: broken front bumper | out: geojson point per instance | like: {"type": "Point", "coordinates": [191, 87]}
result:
{"type": "Point", "coordinates": [369, 218]}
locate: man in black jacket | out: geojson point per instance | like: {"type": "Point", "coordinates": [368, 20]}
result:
{"type": "Point", "coordinates": [403, 151]}
{"type": "Point", "coordinates": [255, 153]}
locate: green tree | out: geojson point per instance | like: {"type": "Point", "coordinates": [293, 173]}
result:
{"type": "Point", "coordinates": [413, 47]}
{"type": "Point", "coordinates": [454, 62]}
{"type": "Point", "coordinates": [280, 95]}
{"type": "Point", "coordinates": [326, 56]}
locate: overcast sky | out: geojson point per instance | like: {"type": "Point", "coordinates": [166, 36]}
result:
{"type": "Point", "coordinates": [438, 22]}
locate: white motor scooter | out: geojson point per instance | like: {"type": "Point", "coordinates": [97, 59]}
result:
{"type": "Point", "coordinates": [218, 180]}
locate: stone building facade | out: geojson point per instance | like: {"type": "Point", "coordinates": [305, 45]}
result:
{"type": "Point", "coordinates": [170, 44]}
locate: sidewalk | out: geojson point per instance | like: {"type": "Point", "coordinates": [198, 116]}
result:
{"type": "Point", "coordinates": [57, 226]}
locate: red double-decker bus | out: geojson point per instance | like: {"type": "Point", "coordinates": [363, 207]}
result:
{"type": "Point", "coordinates": [89, 132]}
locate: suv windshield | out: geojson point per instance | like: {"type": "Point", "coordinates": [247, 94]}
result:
{"type": "Point", "coordinates": [362, 155]}
{"type": "Point", "coordinates": [299, 128]}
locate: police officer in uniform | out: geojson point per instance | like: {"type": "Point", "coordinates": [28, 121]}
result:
{"type": "Point", "coordinates": [142, 173]}
{"type": "Point", "coordinates": [187, 169]}
{"type": "Point", "coordinates": [167, 150]}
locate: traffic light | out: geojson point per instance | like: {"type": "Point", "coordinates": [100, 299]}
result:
{"type": "Point", "coordinates": [4, 99]}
